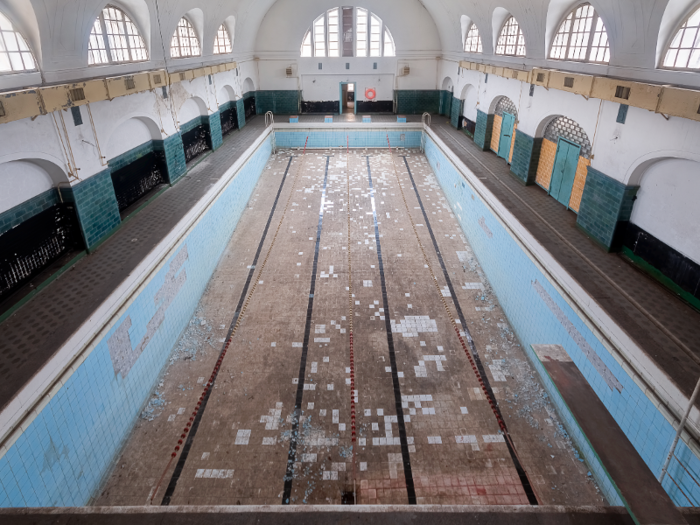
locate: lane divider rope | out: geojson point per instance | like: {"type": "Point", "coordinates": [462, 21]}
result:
{"type": "Point", "coordinates": [351, 314]}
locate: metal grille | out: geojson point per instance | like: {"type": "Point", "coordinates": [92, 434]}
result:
{"type": "Point", "coordinates": [136, 180]}
{"type": "Point", "coordinates": [77, 94]}
{"type": "Point", "coordinates": [157, 79]}
{"type": "Point", "coordinates": [196, 142]}
{"type": "Point", "coordinates": [568, 129]}
{"type": "Point", "coordinates": [129, 83]}
{"type": "Point", "coordinates": [2, 110]}
{"type": "Point", "coordinates": [33, 245]}
{"type": "Point", "coordinates": [229, 121]}
{"type": "Point", "coordinates": [506, 105]}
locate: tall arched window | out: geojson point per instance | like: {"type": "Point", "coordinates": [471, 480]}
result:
{"type": "Point", "coordinates": [115, 39]}
{"type": "Point", "coordinates": [184, 42]}
{"type": "Point", "coordinates": [684, 50]}
{"type": "Point", "coordinates": [582, 36]}
{"type": "Point", "coordinates": [14, 51]}
{"type": "Point", "coordinates": [511, 41]}
{"type": "Point", "coordinates": [472, 44]}
{"type": "Point", "coordinates": [222, 42]}
{"type": "Point", "coordinates": [347, 32]}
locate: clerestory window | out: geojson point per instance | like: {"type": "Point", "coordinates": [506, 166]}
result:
{"type": "Point", "coordinates": [115, 39]}
{"type": "Point", "coordinates": [684, 50]}
{"type": "Point", "coordinates": [14, 51]}
{"type": "Point", "coordinates": [347, 32]}
{"type": "Point", "coordinates": [222, 42]}
{"type": "Point", "coordinates": [184, 42]}
{"type": "Point", "coordinates": [472, 44]}
{"type": "Point", "coordinates": [582, 37]}
{"type": "Point", "coordinates": [511, 41]}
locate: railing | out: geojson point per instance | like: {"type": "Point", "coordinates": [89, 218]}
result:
{"type": "Point", "coordinates": [426, 118]}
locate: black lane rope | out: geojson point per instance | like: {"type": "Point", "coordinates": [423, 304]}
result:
{"type": "Point", "coordinates": [472, 346]}
{"type": "Point", "coordinates": [193, 424]}
{"type": "Point", "coordinates": [289, 475]}
{"type": "Point", "coordinates": [408, 474]}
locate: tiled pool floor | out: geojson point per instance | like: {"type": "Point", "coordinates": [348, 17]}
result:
{"type": "Point", "coordinates": [450, 436]}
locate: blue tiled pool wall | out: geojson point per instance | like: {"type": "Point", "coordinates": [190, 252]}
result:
{"type": "Point", "coordinates": [358, 139]}
{"type": "Point", "coordinates": [514, 278]}
{"type": "Point", "coordinates": [64, 455]}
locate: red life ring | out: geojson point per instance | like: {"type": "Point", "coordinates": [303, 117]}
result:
{"type": "Point", "coordinates": [370, 93]}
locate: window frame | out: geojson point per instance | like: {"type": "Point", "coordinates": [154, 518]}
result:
{"type": "Point", "coordinates": [520, 29]}
{"type": "Point", "coordinates": [326, 36]}
{"type": "Point", "coordinates": [179, 43]}
{"type": "Point", "coordinates": [18, 34]}
{"type": "Point", "coordinates": [105, 39]}
{"type": "Point", "coordinates": [216, 38]}
{"type": "Point", "coordinates": [591, 33]}
{"type": "Point", "coordinates": [692, 11]}
{"type": "Point", "coordinates": [466, 36]}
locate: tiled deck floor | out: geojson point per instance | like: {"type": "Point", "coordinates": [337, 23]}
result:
{"type": "Point", "coordinates": [597, 272]}
{"type": "Point", "coordinates": [451, 440]}
{"type": "Point", "coordinates": [37, 330]}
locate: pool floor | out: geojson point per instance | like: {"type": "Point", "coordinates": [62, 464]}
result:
{"type": "Point", "coordinates": [425, 431]}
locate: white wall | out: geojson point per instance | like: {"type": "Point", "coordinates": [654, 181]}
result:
{"type": "Point", "coordinates": [666, 205]}
{"type": "Point", "coordinates": [128, 136]}
{"type": "Point", "coordinates": [26, 179]}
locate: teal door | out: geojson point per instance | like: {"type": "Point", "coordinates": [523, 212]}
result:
{"type": "Point", "coordinates": [507, 125]}
{"type": "Point", "coordinates": [564, 171]}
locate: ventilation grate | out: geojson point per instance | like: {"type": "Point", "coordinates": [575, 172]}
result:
{"type": "Point", "coordinates": [290, 72]}
{"type": "Point", "coordinates": [514, 74]}
{"type": "Point", "coordinates": [77, 94]}
{"type": "Point", "coordinates": [622, 92]}
{"type": "Point", "coordinates": [406, 70]}
{"type": "Point", "coordinates": [569, 82]}
{"type": "Point", "coordinates": [540, 77]}
{"type": "Point", "coordinates": [182, 77]}
{"type": "Point", "coordinates": [2, 110]}
{"type": "Point", "coordinates": [129, 82]}
{"type": "Point", "coordinates": [570, 130]}
{"type": "Point", "coordinates": [157, 79]}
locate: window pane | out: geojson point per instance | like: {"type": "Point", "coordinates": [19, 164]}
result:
{"type": "Point", "coordinates": [683, 51]}
{"type": "Point", "coordinates": [473, 42]}
{"type": "Point", "coordinates": [184, 42]}
{"type": "Point", "coordinates": [333, 33]}
{"type": "Point", "coordinates": [389, 49]}
{"type": "Point", "coordinates": [375, 35]}
{"type": "Point", "coordinates": [306, 45]}
{"type": "Point", "coordinates": [11, 44]}
{"type": "Point", "coordinates": [320, 37]}
{"type": "Point", "coordinates": [511, 41]}
{"type": "Point", "coordinates": [222, 43]}
{"type": "Point", "coordinates": [361, 32]}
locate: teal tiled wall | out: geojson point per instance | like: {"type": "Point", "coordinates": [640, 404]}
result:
{"type": "Point", "coordinates": [456, 112]}
{"type": "Point", "coordinates": [445, 103]}
{"type": "Point", "coordinates": [484, 127]}
{"type": "Point", "coordinates": [189, 126]}
{"type": "Point", "coordinates": [240, 111]}
{"type": "Point", "coordinates": [416, 102]}
{"type": "Point", "coordinates": [214, 125]}
{"type": "Point", "coordinates": [174, 153]}
{"type": "Point", "coordinates": [96, 205]}
{"type": "Point", "coordinates": [606, 206]}
{"type": "Point", "coordinates": [526, 156]}
{"type": "Point", "coordinates": [28, 209]}
{"type": "Point", "coordinates": [285, 102]}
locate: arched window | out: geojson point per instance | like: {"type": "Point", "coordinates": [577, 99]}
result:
{"type": "Point", "coordinates": [115, 39]}
{"type": "Point", "coordinates": [582, 36]}
{"type": "Point", "coordinates": [472, 44]}
{"type": "Point", "coordinates": [684, 50]}
{"type": "Point", "coordinates": [511, 41]}
{"type": "Point", "coordinates": [347, 32]}
{"type": "Point", "coordinates": [14, 51]}
{"type": "Point", "coordinates": [184, 42]}
{"type": "Point", "coordinates": [222, 42]}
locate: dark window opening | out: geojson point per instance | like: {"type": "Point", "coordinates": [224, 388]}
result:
{"type": "Point", "coordinates": [229, 120]}
{"type": "Point", "coordinates": [249, 105]}
{"type": "Point", "coordinates": [136, 182]}
{"type": "Point", "coordinates": [469, 127]}
{"type": "Point", "coordinates": [622, 114]}
{"type": "Point", "coordinates": [77, 117]}
{"type": "Point", "coordinates": [532, 90]}
{"type": "Point", "coordinates": [49, 238]}
{"type": "Point", "coordinates": [196, 141]}
{"type": "Point", "coordinates": [348, 39]}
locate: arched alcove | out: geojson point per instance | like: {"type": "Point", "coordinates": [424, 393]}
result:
{"type": "Point", "coordinates": [27, 178]}
{"type": "Point", "coordinates": [248, 85]}
{"type": "Point", "coordinates": [131, 133]}
{"type": "Point", "coordinates": [192, 108]}
{"type": "Point", "coordinates": [469, 96]}
{"type": "Point", "coordinates": [226, 94]}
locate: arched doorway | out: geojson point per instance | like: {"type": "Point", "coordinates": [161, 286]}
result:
{"type": "Point", "coordinates": [504, 124]}
{"type": "Point", "coordinates": [564, 159]}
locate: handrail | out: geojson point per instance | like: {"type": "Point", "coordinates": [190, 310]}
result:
{"type": "Point", "coordinates": [429, 118]}
{"type": "Point", "coordinates": [269, 119]}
